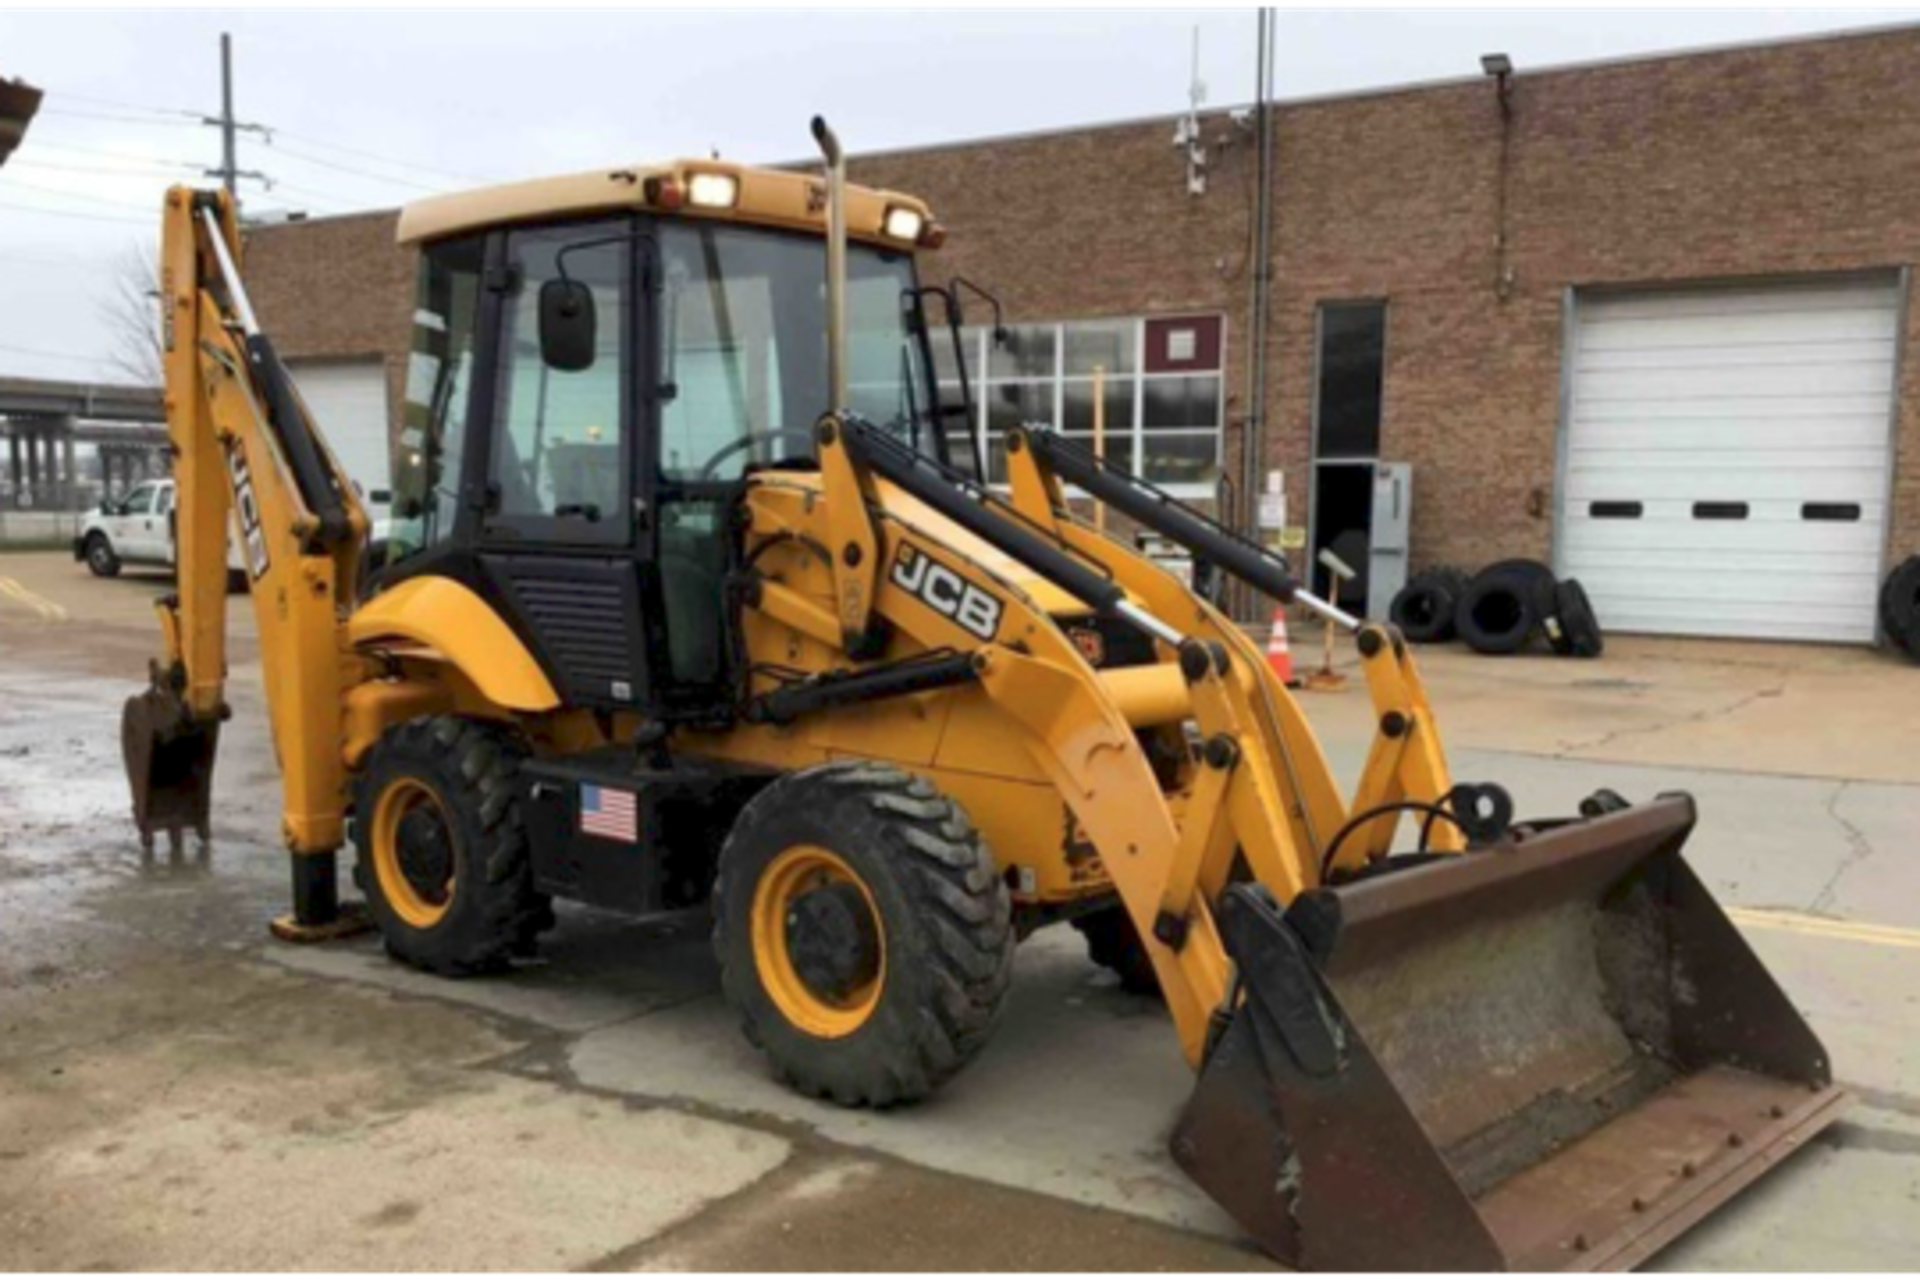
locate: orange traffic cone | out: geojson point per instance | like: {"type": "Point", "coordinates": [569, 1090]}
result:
{"type": "Point", "coordinates": [1279, 656]}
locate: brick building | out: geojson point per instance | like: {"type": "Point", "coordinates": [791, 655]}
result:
{"type": "Point", "coordinates": [1647, 319]}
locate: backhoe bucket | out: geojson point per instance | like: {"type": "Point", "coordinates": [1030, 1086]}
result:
{"type": "Point", "coordinates": [169, 758]}
{"type": "Point", "coordinates": [1553, 1054]}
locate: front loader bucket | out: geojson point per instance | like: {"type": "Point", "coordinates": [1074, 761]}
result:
{"type": "Point", "coordinates": [169, 757]}
{"type": "Point", "coordinates": [1556, 1053]}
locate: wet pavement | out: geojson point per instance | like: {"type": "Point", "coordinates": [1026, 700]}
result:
{"type": "Point", "coordinates": [178, 1091]}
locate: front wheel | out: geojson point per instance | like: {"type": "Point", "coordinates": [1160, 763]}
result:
{"type": "Point", "coordinates": [865, 937]}
{"type": "Point", "coordinates": [443, 846]}
{"type": "Point", "coordinates": [101, 560]}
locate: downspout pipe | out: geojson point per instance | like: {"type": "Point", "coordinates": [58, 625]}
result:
{"type": "Point", "coordinates": [1253, 446]}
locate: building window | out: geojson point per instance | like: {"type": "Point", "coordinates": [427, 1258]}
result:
{"type": "Point", "coordinates": [1353, 344]}
{"type": "Point", "coordinates": [1164, 392]}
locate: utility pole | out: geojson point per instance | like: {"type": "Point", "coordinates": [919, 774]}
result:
{"type": "Point", "coordinates": [229, 171]}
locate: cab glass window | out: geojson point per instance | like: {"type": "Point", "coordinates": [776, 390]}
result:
{"type": "Point", "coordinates": [426, 481]}
{"type": "Point", "coordinates": [558, 452]}
{"type": "Point", "coordinates": [743, 348]}
{"type": "Point", "coordinates": [140, 501]}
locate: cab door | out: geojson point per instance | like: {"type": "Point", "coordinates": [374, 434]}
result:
{"type": "Point", "coordinates": [132, 531]}
{"type": "Point", "coordinates": [557, 528]}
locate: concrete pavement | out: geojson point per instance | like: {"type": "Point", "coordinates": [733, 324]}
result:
{"type": "Point", "coordinates": [177, 1091]}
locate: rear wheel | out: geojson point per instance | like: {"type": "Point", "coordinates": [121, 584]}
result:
{"type": "Point", "coordinates": [443, 847]}
{"type": "Point", "coordinates": [101, 559]}
{"type": "Point", "coordinates": [865, 938]}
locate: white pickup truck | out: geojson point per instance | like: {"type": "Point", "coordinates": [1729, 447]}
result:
{"type": "Point", "coordinates": [138, 530]}
{"type": "Point", "coordinates": [135, 530]}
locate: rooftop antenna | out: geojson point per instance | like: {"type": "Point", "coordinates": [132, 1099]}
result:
{"type": "Point", "coordinates": [1186, 134]}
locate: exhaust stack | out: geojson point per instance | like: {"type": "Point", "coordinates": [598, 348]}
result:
{"type": "Point", "coordinates": [836, 261]}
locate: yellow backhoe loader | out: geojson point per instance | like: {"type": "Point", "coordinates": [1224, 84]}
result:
{"type": "Point", "coordinates": [700, 593]}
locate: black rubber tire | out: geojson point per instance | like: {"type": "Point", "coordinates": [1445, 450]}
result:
{"type": "Point", "coordinates": [1579, 627]}
{"type": "Point", "coordinates": [1423, 609]}
{"type": "Point", "coordinates": [1900, 607]}
{"type": "Point", "coordinates": [1497, 615]}
{"type": "Point", "coordinates": [1114, 944]}
{"type": "Point", "coordinates": [101, 560]}
{"type": "Point", "coordinates": [944, 914]}
{"type": "Point", "coordinates": [1453, 578]}
{"type": "Point", "coordinates": [1535, 577]}
{"type": "Point", "coordinates": [495, 913]}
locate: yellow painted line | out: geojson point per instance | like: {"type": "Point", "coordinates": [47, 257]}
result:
{"type": "Point", "coordinates": [1878, 935]}
{"type": "Point", "coordinates": [45, 608]}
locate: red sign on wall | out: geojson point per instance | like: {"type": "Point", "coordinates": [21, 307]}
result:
{"type": "Point", "coordinates": [1183, 344]}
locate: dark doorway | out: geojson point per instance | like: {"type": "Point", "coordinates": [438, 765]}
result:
{"type": "Point", "coordinates": [1342, 524]}
{"type": "Point", "coordinates": [1349, 377]}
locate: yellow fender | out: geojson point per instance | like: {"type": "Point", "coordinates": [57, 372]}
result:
{"type": "Point", "coordinates": [442, 615]}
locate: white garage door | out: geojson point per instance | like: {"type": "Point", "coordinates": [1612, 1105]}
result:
{"type": "Point", "coordinates": [349, 401]}
{"type": "Point", "coordinates": [1727, 454]}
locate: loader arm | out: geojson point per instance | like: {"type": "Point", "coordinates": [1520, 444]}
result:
{"type": "Point", "coordinates": [1264, 793]}
{"type": "Point", "coordinates": [1488, 1056]}
{"type": "Point", "coordinates": [250, 464]}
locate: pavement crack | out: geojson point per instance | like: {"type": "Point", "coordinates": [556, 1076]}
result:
{"type": "Point", "coordinates": [1859, 849]}
{"type": "Point", "coordinates": [1569, 750]}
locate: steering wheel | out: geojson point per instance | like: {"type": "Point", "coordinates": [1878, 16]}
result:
{"type": "Point", "coordinates": [750, 440]}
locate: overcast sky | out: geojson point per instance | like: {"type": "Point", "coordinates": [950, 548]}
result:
{"type": "Point", "coordinates": [372, 109]}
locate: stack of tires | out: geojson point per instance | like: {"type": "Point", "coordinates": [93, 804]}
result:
{"type": "Point", "coordinates": [1900, 607]}
{"type": "Point", "coordinates": [1502, 609]}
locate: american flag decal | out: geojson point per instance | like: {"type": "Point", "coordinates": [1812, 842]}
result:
{"type": "Point", "coordinates": [609, 814]}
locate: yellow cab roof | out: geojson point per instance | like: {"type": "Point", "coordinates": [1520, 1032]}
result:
{"type": "Point", "coordinates": [767, 197]}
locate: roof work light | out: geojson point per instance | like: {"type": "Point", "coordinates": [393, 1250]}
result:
{"type": "Point", "coordinates": [713, 190]}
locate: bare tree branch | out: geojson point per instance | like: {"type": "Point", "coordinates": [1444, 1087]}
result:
{"type": "Point", "coordinates": [131, 314]}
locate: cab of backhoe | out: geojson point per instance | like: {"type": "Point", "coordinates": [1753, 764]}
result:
{"type": "Point", "coordinates": [599, 362]}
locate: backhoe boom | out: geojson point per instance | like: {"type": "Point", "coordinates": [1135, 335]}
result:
{"type": "Point", "coordinates": [248, 464]}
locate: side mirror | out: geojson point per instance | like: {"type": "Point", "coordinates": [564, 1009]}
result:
{"type": "Point", "coordinates": [568, 325]}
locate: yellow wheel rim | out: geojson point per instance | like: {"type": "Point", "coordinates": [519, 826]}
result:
{"type": "Point", "coordinates": [789, 878]}
{"type": "Point", "coordinates": [418, 895]}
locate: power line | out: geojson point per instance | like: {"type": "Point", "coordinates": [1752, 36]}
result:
{"type": "Point", "coordinates": [12, 182]}
{"type": "Point", "coordinates": [297, 154]}
{"type": "Point", "coordinates": [69, 213]}
{"type": "Point", "coordinates": [40, 143]}
{"type": "Point", "coordinates": [47, 260]}
{"type": "Point", "coordinates": [71, 113]}
{"type": "Point", "coordinates": [152, 171]}
{"type": "Point", "coordinates": [180, 115]}
{"type": "Point", "coordinates": [325, 197]}
{"type": "Point", "coordinates": [306, 140]}
{"type": "Point", "coordinates": [54, 355]}
{"type": "Point", "coordinates": [123, 106]}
